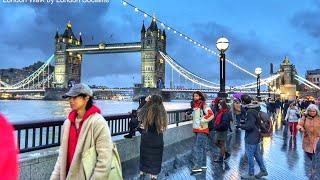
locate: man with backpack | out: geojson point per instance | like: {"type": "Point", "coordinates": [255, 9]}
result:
{"type": "Point", "coordinates": [252, 126]}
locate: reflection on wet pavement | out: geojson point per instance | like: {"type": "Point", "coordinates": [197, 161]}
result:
{"type": "Point", "coordinates": [283, 156]}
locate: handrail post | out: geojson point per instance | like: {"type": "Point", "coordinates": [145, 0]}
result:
{"type": "Point", "coordinates": [177, 118]}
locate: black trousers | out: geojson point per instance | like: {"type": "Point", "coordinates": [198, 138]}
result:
{"type": "Point", "coordinates": [133, 124]}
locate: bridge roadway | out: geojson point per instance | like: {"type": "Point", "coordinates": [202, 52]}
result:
{"type": "Point", "coordinates": [107, 48]}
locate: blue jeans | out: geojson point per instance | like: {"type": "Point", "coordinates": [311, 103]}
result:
{"type": "Point", "coordinates": [316, 158]}
{"type": "Point", "coordinates": [238, 118]}
{"type": "Point", "coordinates": [253, 151]}
{"type": "Point", "coordinates": [200, 149]}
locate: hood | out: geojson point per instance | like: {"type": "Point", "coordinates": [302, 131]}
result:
{"type": "Point", "coordinates": [252, 106]}
{"type": "Point", "coordinates": [73, 114]}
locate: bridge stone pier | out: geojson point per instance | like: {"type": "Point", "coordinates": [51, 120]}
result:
{"type": "Point", "coordinates": [139, 91]}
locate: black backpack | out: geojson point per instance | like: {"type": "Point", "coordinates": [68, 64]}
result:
{"type": "Point", "coordinates": [264, 123]}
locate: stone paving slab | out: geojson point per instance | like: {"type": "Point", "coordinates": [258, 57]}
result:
{"type": "Point", "coordinates": [284, 159]}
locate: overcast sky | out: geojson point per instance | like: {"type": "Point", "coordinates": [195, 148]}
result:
{"type": "Point", "coordinates": [260, 32]}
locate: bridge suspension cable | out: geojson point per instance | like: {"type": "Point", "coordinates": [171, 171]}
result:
{"type": "Point", "coordinates": [265, 81]}
{"type": "Point", "coordinates": [307, 82]}
{"type": "Point", "coordinates": [187, 74]}
{"type": "Point", "coordinates": [32, 76]}
{"type": "Point", "coordinates": [303, 83]}
{"type": "Point", "coordinates": [44, 81]}
{"type": "Point", "coordinates": [4, 84]}
{"type": "Point", "coordinates": [183, 35]}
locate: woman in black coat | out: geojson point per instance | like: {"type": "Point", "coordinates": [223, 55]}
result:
{"type": "Point", "coordinates": [154, 121]}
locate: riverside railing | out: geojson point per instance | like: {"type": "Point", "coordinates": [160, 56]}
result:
{"type": "Point", "coordinates": [42, 134]}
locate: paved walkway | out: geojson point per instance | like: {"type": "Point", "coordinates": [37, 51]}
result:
{"type": "Point", "coordinates": [283, 157]}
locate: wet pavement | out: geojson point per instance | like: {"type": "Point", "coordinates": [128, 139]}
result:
{"type": "Point", "coordinates": [283, 156]}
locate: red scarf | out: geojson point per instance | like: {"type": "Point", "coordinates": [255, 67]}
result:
{"type": "Point", "coordinates": [74, 132]}
{"type": "Point", "coordinates": [218, 119]}
{"type": "Point", "coordinates": [198, 104]}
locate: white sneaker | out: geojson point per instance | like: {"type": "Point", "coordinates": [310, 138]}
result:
{"type": "Point", "coordinates": [196, 169]}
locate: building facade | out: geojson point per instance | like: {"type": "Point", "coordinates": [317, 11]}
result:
{"type": "Point", "coordinates": [313, 76]}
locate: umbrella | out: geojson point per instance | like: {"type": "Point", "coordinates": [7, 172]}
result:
{"type": "Point", "coordinates": [237, 95]}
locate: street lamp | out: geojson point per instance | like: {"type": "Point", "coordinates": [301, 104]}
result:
{"type": "Point", "coordinates": [258, 72]}
{"type": "Point", "coordinates": [222, 45]}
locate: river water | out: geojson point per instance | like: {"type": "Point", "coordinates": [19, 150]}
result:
{"type": "Point", "coordinates": [20, 110]}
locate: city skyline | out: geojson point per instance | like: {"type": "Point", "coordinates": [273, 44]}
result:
{"type": "Point", "coordinates": [296, 36]}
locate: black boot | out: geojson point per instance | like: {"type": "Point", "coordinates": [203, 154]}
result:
{"type": "Point", "coordinates": [128, 136]}
{"type": "Point", "coordinates": [226, 155]}
{"type": "Point", "coordinates": [218, 160]}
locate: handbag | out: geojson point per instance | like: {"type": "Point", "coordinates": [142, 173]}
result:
{"type": "Point", "coordinates": [89, 158]}
{"type": "Point", "coordinates": [116, 169]}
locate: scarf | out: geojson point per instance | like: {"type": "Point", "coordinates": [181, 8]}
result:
{"type": "Point", "coordinates": [218, 119]}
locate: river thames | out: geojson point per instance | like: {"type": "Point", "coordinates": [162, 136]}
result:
{"type": "Point", "coordinates": [20, 110]}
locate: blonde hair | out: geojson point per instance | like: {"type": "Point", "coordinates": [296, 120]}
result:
{"type": "Point", "coordinates": [313, 107]}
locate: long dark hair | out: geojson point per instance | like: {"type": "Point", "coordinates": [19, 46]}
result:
{"type": "Point", "coordinates": [153, 112]}
{"type": "Point", "coordinates": [202, 98]}
{"type": "Point", "coordinates": [90, 101]}
{"type": "Point", "coordinates": [223, 104]}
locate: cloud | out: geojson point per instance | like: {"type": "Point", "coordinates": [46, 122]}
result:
{"type": "Point", "coordinates": [247, 50]}
{"type": "Point", "coordinates": [28, 35]}
{"type": "Point", "coordinates": [308, 22]}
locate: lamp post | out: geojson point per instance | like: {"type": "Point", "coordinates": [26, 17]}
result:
{"type": "Point", "coordinates": [274, 93]}
{"type": "Point", "coordinates": [222, 45]}
{"type": "Point", "coordinates": [258, 72]}
{"type": "Point", "coordinates": [279, 92]}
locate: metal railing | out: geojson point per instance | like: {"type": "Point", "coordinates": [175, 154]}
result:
{"type": "Point", "coordinates": [42, 134]}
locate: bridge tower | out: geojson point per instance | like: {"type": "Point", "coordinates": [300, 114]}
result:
{"type": "Point", "coordinates": [67, 64]}
{"type": "Point", "coordinates": [153, 66]}
{"type": "Point", "coordinates": [286, 83]}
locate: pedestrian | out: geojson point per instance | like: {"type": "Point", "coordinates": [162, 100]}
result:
{"type": "Point", "coordinates": [135, 122]}
{"type": "Point", "coordinates": [252, 138]}
{"type": "Point", "coordinates": [268, 105]}
{"type": "Point", "coordinates": [202, 114]}
{"type": "Point", "coordinates": [310, 126]}
{"type": "Point", "coordinates": [236, 110]}
{"type": "Point", "coordinates": [86, 146]}
{"type": "Point", "coordinates": [154, 120]}
{"type": "Point", "coordinates": [221, 125]}
{"type": "Point", "coordinates": [278, 107]}
{"type": "Point", "coordinates": [8, 151]}
{"type": "Point", "coordinates": [286, 107]}
{"type": "Point", "coordinates": [292, 117]}
{"type": "Point", "coordinates": [214, 105]}
{"type": "Point", "coordinates": [272, 109]}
